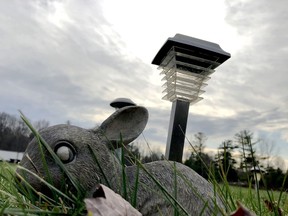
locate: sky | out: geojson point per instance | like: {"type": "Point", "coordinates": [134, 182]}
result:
{"type": "Point", "coordinates": [67, 60]}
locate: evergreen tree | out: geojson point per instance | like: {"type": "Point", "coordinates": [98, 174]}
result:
{"type": "Point", "coordinates": [225, 161]}
{"type": "Point", "coordinates": [275, 179]}
{"type": "Point", "coordinates": [248, 153]}
{"type": "Point", "coordinates": [198, 160]}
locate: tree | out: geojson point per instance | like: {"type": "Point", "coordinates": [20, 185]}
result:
{"type": "Point", "coordinates": [248, 153]}
{"type": "Point", "coordinates": [225, 161]}
{"type": "Point", "coordinates": [198, 160]}
{"type": "Point", "coordinates": [267, 150]}
{"type": "Point", "coordinates": [199, 142]}
{"type": "Point", "coordinates": [274, 178]}
{"type": "Point", "coordinates": [14, 134]}
{"type": "Point", "coordinates": [279, 162]}
{"type": "Point", "coordinates": [150, 158]}
{"type": "Point", "coordinates": [131, 154]}
{"type": "Point", "coordinates": [200, 164]}
{"type": "Point", "coordinates": [41, 124]}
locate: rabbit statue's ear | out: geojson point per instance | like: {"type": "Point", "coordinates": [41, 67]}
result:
{"type": "Point", "coordinates": [125, 125]}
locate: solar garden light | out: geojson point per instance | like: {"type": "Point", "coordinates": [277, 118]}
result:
{"type": "Point", "coordinates": [257, 172]}
{"type": "Point", "coordinates": [186, 64]}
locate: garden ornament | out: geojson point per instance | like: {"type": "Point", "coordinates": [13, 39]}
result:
{"type": "Point", "coordinates": [88, 157]}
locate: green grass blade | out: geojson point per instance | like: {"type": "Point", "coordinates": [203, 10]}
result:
{"type": "Point", "coordinates": [136, 185]}
{"type": "Point", "coordinates": [124, 178]}
{"type": "Point", "coordinates": [93, 153]}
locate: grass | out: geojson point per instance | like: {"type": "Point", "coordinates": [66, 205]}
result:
{"type": "Point", "coordinates": [11, 202]}
{"type": "Point", "coordinates": [31, 202]}
{"type": "Point", "coordinates": [248, 197]}
{"type": "Point", "coordinates": [14, 203]}
{"type": "Point", "coordinates": [17, 199]}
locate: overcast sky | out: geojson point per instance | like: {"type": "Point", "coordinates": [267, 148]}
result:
{"type": "Point", "coordinates": [67, 60]}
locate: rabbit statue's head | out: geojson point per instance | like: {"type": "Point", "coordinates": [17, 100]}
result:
{"type": "Point", "coordinates": [86, 155]}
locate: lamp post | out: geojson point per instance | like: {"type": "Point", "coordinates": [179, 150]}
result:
{"type": "Point", "coordinates": [186, 64]}
{"type": "Point", "coordinates": [257, 172]}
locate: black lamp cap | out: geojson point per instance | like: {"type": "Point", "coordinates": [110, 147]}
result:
{"type": "Point", "coordinates": [193, 46]}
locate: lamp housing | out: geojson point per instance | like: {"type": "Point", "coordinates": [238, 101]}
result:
{"type": "Point", "coordinates": [186, 64]}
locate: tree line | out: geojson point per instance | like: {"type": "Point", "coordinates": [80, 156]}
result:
{"type": "Point", "coordinates": [236, 161]}
{"type": "Point", "coordinates": [14, 133]}
{"type": "Point", "coordinates": [233, 161]}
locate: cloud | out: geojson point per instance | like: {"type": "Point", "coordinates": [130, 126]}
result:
{"type": "Point", "coordinates": [63, 60]}
{"type": "Point", "coordinates": [251, 90]}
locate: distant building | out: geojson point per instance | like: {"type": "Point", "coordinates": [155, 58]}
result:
{"type": "Point", "coordinates": [11, 156]}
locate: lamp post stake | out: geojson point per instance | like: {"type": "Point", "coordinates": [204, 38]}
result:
{"type": "Point", "coordinates": [177, 130]}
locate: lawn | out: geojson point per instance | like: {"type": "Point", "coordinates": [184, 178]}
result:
{"type": "Point", "coordinates": [14, 203]}
{"type": "Point", "coordinates": [249, 198]}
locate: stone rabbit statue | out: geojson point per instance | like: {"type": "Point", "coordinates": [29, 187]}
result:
{"type": "Point", "coordinates": [73, 147]}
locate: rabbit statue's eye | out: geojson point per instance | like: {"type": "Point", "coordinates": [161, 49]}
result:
{"type": "Point", "coordinates": [65, 151]}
